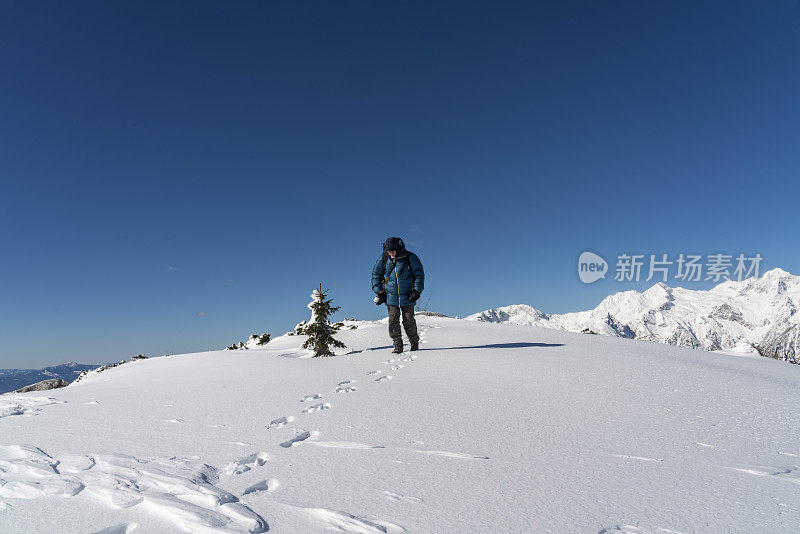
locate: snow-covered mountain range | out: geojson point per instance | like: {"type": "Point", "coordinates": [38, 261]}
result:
{"type": "Point", "coordinates": [754, 315]}
{"type": "Point", "coordinates": [13, 379]}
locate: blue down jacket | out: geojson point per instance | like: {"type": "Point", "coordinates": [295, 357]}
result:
{"type": "Point", "coordinates": [398, 278]}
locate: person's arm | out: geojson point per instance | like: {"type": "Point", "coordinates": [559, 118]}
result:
{"type": "Point", "coordinates": [377, 276]}
{"type": "Point", "coordinates": [419, 273]}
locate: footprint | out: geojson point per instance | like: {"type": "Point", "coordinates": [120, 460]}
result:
{"type": "Point", "coordinates": [333, 521]}
{"type": "Point", "coordinates": [410, 358]}
{"type": "Point", "coordinates": [382, 378]}
{"type": "Point", "coordinates": [299, 438]}
{"type": "Point", "coordinates": [173, 420]}
{"type": "Point", "coordinates": [311, 397]}
{"type": "Point", "coordinates": [704, 444]}
{"type": "Point", "coordinates": [344, 387]}
{"type": "Point", "coordinates": [387, 362]}
{"type": "Point", "coordinates": [372, 372]}
{"type": "Point", "coordinates": [392, 496]}
{"type": "Point", "coordinates": [265, 485]}
{"type": "Point", "coordinates": [318, 407]}
{"type": "Point", "coordinates": [237, 467]}
{"type": "Point", "coordinates": [123, 528]}
{"type": "Point", "coordinates": [216, 426]}
{"type": "Point", "coordinates": [92, 402]}
{"type": "Point", "coordinates": [282, 421]}
{"type": "Point", "coordinates": [398, 366]}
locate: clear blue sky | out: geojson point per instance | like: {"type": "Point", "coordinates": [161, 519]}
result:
{"type": "Point", "coordinates": [176, 176]}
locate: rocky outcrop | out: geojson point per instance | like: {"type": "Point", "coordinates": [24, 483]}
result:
{"type": "Point", "coordinates": [51, 383]}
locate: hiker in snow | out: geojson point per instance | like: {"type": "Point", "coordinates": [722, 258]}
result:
{"type": "Point", "coordinates": [398, 280]}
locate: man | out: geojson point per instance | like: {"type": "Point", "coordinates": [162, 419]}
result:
{"type": "Point", "coordinates": [398, 280]}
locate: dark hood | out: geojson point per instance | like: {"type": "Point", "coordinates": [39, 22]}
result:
{"type": "Point", "coordinates": [395, 243]}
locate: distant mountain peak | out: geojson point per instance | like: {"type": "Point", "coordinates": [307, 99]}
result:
{"type": "Point", "coordinates": [757, 312]}
{"type": "Point", "coordinates": [13, 379]}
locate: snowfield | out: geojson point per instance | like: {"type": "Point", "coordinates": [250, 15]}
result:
{"type": "Point", "coordinates": [488, 428]}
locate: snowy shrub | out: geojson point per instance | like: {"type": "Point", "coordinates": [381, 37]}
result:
{"type": "Point", "coordinates": [319, 329]}
{"type": "Point", "coordinates": [258, 340]}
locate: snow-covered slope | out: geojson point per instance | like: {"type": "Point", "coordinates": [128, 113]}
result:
{"type": "Point", "coordinates": [488, 428]}
{"type": "Point", "coordinates": [760, 313]}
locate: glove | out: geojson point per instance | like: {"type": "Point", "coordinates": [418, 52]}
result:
{"type": "Point", "coordinates": [415, 295]}
{"type": "Point", "coordinates": [380, 299]}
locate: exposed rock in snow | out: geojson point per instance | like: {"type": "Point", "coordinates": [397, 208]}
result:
{"type": "Point", "coordinates": [13, 379]}
{"type": "Point", "coordinates": [758, 313]}
{"type": "Point", "coordinates": [44, 385]}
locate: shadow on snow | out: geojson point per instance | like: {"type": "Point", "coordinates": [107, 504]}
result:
{"type": "Point", "coordinates": [517, 345]}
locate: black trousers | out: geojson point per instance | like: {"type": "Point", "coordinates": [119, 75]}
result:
{"type": "Point", "coordinates": [409, 323]}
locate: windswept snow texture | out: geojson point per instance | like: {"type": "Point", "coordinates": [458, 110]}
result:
{"type": "Point", "coordinates": [18, 404]}
{"type": "Point", "coordinates": [488, 428]}
{"type": "Point", "coordinates": [733, 316]}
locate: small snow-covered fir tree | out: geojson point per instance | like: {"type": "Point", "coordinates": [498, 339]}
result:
{"type": "Point", "coordinates": [319, 329]}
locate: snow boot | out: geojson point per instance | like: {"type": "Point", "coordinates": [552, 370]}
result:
{"type": "Point", "coordinates": [398, 345]}
{"type": "Point", "coordinates": [415, 343]}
